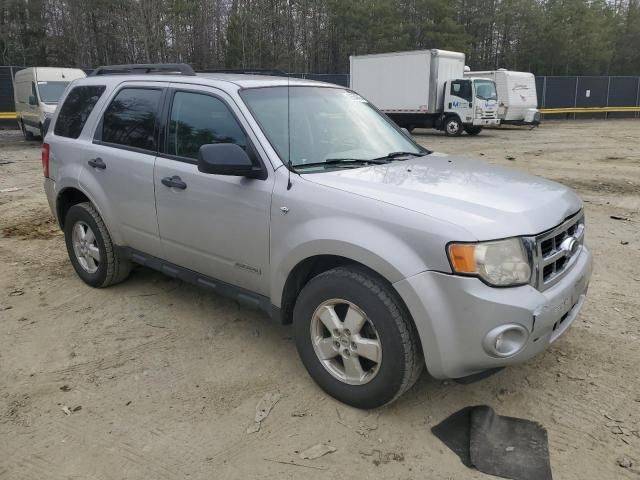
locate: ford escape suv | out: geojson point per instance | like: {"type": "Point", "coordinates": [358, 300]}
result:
{"type": "Point", "coordinates": [301, 199]}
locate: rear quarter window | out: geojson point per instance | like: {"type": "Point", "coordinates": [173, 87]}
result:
{"type": "Point", "coordinates": [76, 110]}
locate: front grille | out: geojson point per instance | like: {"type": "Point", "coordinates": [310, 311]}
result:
{"type": "Point", "coordinates": [553, 255]}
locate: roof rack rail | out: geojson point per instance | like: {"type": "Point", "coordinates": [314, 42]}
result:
{"type": "Point", "coordinates": [145, 68]}
{"type": "Point", "coordinates": [249, 71]}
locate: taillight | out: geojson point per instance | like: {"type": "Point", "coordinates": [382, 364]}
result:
{"type": "Point", "coordinates": [45, 159]}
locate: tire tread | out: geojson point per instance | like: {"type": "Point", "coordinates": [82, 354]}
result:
{"type": "Point", "coordinates": [118, 268]}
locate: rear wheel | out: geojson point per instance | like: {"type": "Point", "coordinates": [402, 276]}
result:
{"type": "Point", "coordinates": [453, 127]}
{"type": "Point", "coordinates": [355, 337]}
{"type": "Point", "coordinates": [472, 129]}
{"type": "Point", "coordinates": [91, 251]}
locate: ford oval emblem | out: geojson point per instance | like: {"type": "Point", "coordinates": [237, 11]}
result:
{"type": "Point", "coordinates": [570, 246]}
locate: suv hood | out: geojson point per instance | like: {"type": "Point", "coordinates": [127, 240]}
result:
{"type": "Point", "coordinates": [488, 201]}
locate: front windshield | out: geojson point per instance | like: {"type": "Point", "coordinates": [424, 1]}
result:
{"type": "Point", "coordinates": [50, 92]}
{"type": "Point", "coordinates": [325, 125]}
{"type": "Point", "coordinates": [486, 89]}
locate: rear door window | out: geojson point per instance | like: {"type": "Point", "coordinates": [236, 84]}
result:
{"type": "Point", "coordinates": [130, 119]}
{"type": "Point", "coordinates": [76, 110]}
{"type": "Point", "coordinates": [198, 119]}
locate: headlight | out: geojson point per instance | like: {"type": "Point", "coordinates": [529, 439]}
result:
{"type": "Point", "coordinates": [501, 263]}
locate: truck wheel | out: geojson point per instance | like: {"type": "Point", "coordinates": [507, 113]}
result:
{"type": "Point", "coordinates": [472, 130]}
{"type": "Point", "coordinates": [453, 127]}
{"type": "Point", "coordinates": [91, 251]}
{"type": "Point", "coordinates": [356, 338]}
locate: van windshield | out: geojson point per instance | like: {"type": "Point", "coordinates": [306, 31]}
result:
{"type": "Point", "coordinates": [50, 92]}
{"type": "Point", "coordinates": [327, 126]}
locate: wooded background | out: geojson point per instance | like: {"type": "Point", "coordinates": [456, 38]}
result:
{"type": "Point", "coordinates": [547, 37]}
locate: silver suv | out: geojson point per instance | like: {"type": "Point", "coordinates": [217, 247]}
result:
{"type": "Point", "coordinates": [301, 199]}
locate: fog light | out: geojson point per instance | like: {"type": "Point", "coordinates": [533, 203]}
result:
{"type": "Point", "coordinates": [505, 340]}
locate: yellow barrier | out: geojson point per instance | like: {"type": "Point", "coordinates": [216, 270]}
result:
{"type": "Point", "coordinates": [7, 115]}
{"type": "Point", "coordinates": [590, 110]}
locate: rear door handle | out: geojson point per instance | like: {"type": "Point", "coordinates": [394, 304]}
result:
{"type": "Point", "coordinates": [97, 163]}
{"type": "Point", "coordinates": [174, 182]}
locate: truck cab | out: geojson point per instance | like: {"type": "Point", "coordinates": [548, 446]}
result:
{"type": "Point", "coordinates": [469, 105]}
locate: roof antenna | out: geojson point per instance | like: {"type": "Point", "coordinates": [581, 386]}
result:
{"type": "Point", "coordinates": [290, 163]}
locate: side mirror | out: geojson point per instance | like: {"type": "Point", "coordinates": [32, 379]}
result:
{"type": "Point", "coordinates": [226, 159]}
{"type": "Point", "coordinates": [32, 100]}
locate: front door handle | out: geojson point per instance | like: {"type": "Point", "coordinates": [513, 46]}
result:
{"type": "Point", "coordinates": [97, 163]}
{"type": "Point", "coordinates": [174, 182]}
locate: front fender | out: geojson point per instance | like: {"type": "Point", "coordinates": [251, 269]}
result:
{"type": "Point", "coordinates": [378, 249]}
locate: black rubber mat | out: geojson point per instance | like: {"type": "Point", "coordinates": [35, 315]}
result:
{"type": "Point", "coordinates": [506, 447]}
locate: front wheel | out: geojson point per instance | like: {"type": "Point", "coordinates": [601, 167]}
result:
{"type": "Point", "coordinates": [453, 127]}
{"type": "Point", "coordinates": [25, 133]}
{"type": "Point", "coordinates": [356, 338]}
{"type": "Point", "coordinates": [472, 129]}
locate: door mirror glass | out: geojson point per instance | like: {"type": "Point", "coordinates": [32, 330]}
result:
{"type": "Point", "coordinates": [226, 159]}
{"type": "Point", "coordinates": [32, 100]}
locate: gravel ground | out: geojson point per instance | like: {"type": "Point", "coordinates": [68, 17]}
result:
{"type": "Point", "coordinates": [157, 379]}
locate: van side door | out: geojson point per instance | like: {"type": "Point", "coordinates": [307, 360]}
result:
{"type": "Point", "coordinates": [216, 225]}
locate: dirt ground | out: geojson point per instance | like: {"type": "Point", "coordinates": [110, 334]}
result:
{"type": "Point", "coordinates": [160, 379]}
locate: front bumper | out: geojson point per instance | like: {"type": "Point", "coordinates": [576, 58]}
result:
{"type": "Point", "coordinates": [486, 121]}
{"type": "Point", "coordinates": [454, 314]}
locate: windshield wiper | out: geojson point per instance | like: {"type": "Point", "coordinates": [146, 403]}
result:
{"type": "Point", "coordinates": [342, 161]}
{"type": "Point", "coordinates": [396, 155]}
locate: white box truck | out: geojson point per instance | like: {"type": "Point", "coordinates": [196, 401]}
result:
{"type": "Point", "coordinates": [426, 89]}
{"type": "Point", "coordinates": [517, 97]}
{"type": "Point", "coordinates": [36, 92]}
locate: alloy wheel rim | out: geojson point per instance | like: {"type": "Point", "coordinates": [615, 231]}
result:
{"type": "Point", "coordinates": [345, 342]}
{"type": "Point", "coordinates": [85, 247]}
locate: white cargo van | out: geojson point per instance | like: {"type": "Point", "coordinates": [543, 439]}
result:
{"type": "Point", "coordinates": [426, 89]}
{"type": "Point", "coordinates": [517, 97]}
{"type": "Point", "coordinates": [37, 90]}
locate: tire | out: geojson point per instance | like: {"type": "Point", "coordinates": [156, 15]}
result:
{"type": "Point", "coordinates": [472, 130]}
{"type": "Point", "coordinates": [97, 262]}
{"type": "Point", "coordinates": [453, 126]}
{"type": "Point", "coordinates": [28, 136]}
{"type": "Point", "coordinates": [357, 293]}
